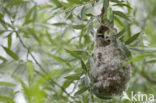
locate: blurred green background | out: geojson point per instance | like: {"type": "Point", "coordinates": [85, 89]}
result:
{"type": "Point", "coordinates": [46, 48]}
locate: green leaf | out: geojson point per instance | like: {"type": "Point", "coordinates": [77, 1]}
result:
{"type": "Point", "coordinates": [2, 31]}
{"type": "Point", "coordinates": [5, 99]}
{"type": "Point", "coordinates": [106, 4]}
{"type": "Point", "coordinates": [117, 1]}
{"type": "Point", "coordinates": [133, 38]}
{"type": "Point", "coordinates": [56, 2]}
{"type": "Point", "coordinates": [73, 77]}
{"type": "Point", "coordinates": [30, 69]}
{"type": "Point", "coordinates": [121, 14]}
{"type": "Point", "coordinates": [83, 10]}
{"type": "Point", "coordinates": [74, 54]}
{"type": "Point", "coordinates": [45, 6]}
{"type": "Point", "coordinates": [83, 66]}
{"type": "Point", "coordinates": [78, 26]}
{"type": "Point", "coordinates": [121, 32]}
{"type": "Point", "coordinates": [1, 15]}
{"type": "Point", "coordinates": [75, 1]}
{"type": "Point", "coordinates": [151, 61]}
{"type": "Point", "coordinates": [66, 83]}
{"type": "Point", "coordinates": [46, 77]}
{"type": "Point", "coordinates": [16, 2]}
{"type": "Point", "coordinates": [137, 58]}
{"type": "Point", "coordinates": [30, 17]}
{"type": "Point", "coordinates": [66, 4]}
{"type": "Point", "coordinates": [59, 59]}
{"type": "Point", "coordinates": [2, 58]}
{"type": "Point", "coordinates": [7, 83]}
{"type": "Point", "coordinates": [9, 40]}
{"type": "Point", "coordinates": [10, 53]}
{"type": "Point", "coordinates": [123, 5]}
{"type": "Point", "coordinates": [59, 24]}
{"type": "Point", "coordinates": [80, 91]}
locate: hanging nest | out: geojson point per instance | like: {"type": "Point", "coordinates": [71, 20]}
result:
{"type": "Point", "coordinates": [108, 75]}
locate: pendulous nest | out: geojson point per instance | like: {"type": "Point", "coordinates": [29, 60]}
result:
{"type": "Point", "coordinates": [108, 75]}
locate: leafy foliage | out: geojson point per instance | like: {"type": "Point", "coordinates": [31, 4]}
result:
{"type": "Point", "coordinates": [46, 48]}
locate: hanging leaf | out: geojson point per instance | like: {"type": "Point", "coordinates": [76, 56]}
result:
{"type": "Point", "coordinates": [56, 2]}
{"type": "Point", "coordinates": [75, 1]}
{"type": "Point", "coordinates": [133, 38]}
{"type": "Point", "coordinates": [106, 4]}
{"type": "Point", "coordinates": [83, 10]}
{"type": "Point", "coordinates": [137, 58]}
{"type": "Point", "coordinates": [121, 32]}
{"type": "Point", "coordinates": [74, 54]}
{"type": "Point", "coordinates": [2, 58]}
{"type": "Point", "coordinates": [80, 91]}
{"type": "Point", "coordinates": [59, 24]}
{"type": "Point", "coordinates": [16, 2]}
{"type": "Point", "coordinates": [68, 5]}
{"type": "Point", "coordinates": [121, 14]}
{"type": "Point", "coordinates": [83, 66]}
{"type": "Point", "coordinates": [78, 26]}
{"type": "Point", "coordinates": [73, 77]}
{"type": "Point", "coordinates": [31, 16]}
{"type": "Point", "coordinates": [59, 59]}
{"type": "Point", "coordinates": [10, 53]}
{"type": "Point", "coordinates": [9, 40]}
{"type": "Point", "coordinates": [67, 83]}
{"type": "Point", "coordinates": [123, 5]}
{"type": "Point", "coordinates": [5, 99]}
{"type": "Point", "coordinates": [30, 69]}
{"type": "Point", "coordinates": [7, 84]}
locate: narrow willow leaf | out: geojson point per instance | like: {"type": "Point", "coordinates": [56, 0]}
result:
{"type": "Point", "coordinates": [151, 61]}
{"type": "Point", "coordinates": [46, 77]}
{"type": "Point", "coordinates": [133, 38]}
{"type": "Point", "coordinates": [59, 59]}
{"type": "Point", "coordinates": [75, 1]}
{"type": "Point", "coordinates": [10, 53]}
{"type": "Point", "coordinates": [121, 14]}
{"type": "Point", "coordinates": [2, 31]}
{"type": "Point", "coordinates": [1, 15]}
{"type": "Point", "coordinates": [118, 21]}
{"type": "Point", "coordinates": [31, 15]}
{"type": "Point", "coordinates": [123, 5]}
{"type": "Point", "coordinates": [83, 10]}
{"type": "Point", "coordinates": [74, 54]}
{"type": "Point", "coordinates": [73, 77]}
{"type": "Point", "coordinates": [9, 40]}
{"type": "Point", "coordinates": [67, 83]}
{"type": "Point", "coordinates": [24, 86]}
{"type": "Point", "coordinates": [56, 2]}
{"type": "Point", "coordinates": [78, 26]}
{"type": "Point", "coordinates": [83, 66]}
{"type": "Point", "coordinates": [68, 5]}
{"type": "Point", "coordinates": [5, 99]}
{"type": "Point", "coordinates": [7, 83]}
{"type": "Point", "coordinates": [59, 24]}
{"type": "Point", "coordinates": [2, 58]}
{"type": "Point", "coordinates": [137, 58]}
{"type": "Point", "coordinates": [80, 91]}
{"type": "Point", "coordinates": [16, 2]}
{"type": "Point", "coordinates": [106, 4]}
{"type": "Point", "coordinates": [30, 69]}
{"type": "Point", "coordinates": [117, 1]}
{"type": "Point", "coordinates": [121, 32]}
{"type": "Point", "coordinates": [45, 7]}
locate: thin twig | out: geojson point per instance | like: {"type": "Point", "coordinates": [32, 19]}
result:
{"type": "Point", "coordinates": [43, 70]}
